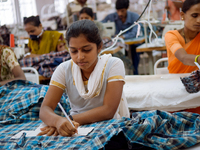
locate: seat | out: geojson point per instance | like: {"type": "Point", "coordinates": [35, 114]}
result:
{"type": "Point", "coordinates": [31, 74]}
{"type": "Point", "coordinates": [162, 70]}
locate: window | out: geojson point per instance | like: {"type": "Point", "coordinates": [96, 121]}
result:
{"type": "Point", "coordinates": [13, 11]}
{"type": "Point", "coordinates": [27, 8]}
{"type": "Point", "coordinates": [60, 5]}
{"type": "Point", "coordinates": [6, 11]}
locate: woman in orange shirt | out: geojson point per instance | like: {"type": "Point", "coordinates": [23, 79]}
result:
{"type": "Point", "coordinates": [183, 46]}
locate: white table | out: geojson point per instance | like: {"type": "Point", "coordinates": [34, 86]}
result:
{"type": "Point", "coordinates": [159, 92]}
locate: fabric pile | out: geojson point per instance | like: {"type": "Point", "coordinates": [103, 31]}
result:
{"type": "Point", "coordinates": [46, 63]}
{"type": "Point", "coordinates": [192, 82]}
{"type": "Point", "coordinates": [19, 110]}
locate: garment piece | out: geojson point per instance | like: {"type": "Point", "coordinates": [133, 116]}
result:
{"type": "Point", "coordinates": [47, 43]}
{"type": "Point", "coordinates": [8, 61]}
{"type": "Point", "coordinates": [119, 25]}
{"type": "Point", "coordinates": [20, 101]}
{"type": "Point", "coordinates": [63, 78]}
{"type": "Point", "coordinates": [192, 82]}
{"type": "Point", "coordinates": [175, 41]}
{"type": "Point", "coordinates": [154, 129]}
{"type": "Point", "coordinates": [46, 63]}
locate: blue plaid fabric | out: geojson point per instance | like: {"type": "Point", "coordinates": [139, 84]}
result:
{"type": "Point", "coordinates": [46, 63]}
{"type": "Point", "coordinates": [19, 110]}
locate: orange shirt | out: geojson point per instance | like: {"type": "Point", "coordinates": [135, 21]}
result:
{"type": "Point", "coordinates": [175, 41]}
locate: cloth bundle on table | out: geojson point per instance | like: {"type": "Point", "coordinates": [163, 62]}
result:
{"type": "Point", "coordinates": [192, 82]}
{"type": "Point", "coordinates": [46, 63]}
{"type": "Point", "coordinates": [159, 92]}
{"type": "Point", "coordinates": [19, 110]}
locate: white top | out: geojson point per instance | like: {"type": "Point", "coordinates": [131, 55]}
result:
{"type": "Point", "coordinates": [62, 78]}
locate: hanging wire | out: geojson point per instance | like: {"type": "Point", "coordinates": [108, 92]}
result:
{"type": "Point", "coordinates": [114, 40]}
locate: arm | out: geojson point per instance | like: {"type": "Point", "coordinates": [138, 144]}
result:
{"type": "Point", "coordinates": [108, 18]}
{"type": "Point", "coordinates": [185, 58]}
{"type": "Point", "coordinates": [32, 55]}
{"type": "Point", "coordinates": [111, 102]}
{"type": "Point", "coordinates": [61, 46]}
{"type": "Point", "coordinates": [52, 97]}
{"type": "Point", "coordinates": [132, 32]}
{"type": "Point", "coordinates": [10, 60]}
{"type": "Point", "coordinates": [18, 74]}
{"type": "Point", "coordinates": [174, 45]}
{"type": "Point", "coordinates": [49, 104]}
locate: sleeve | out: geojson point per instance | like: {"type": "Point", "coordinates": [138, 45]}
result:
{"type": "Point", "coordinates": [132, 32]}
{"type": "Point", "coordinates": [10, 58]}
{"type": "Point", "coordinates": [172, 42]}
{"type": "Point", "coordinates": [58, 77]}
{"type": "Point", "coordinates": [117, 71]}
{"type": "Point", "coordinates": [106, 19]}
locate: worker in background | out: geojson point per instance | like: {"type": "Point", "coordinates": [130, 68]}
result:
{"type": "Point", "coordinates": [40, 41]}
{"type": "Point", "coordinates": [73, 9]}
{"type": "Point", "coordinates": [124, 19]}
{"type": "Point", "coordinates": [87, 13]}
{"type": "Point", "coordinates": [183, 47]}
{"type": "Point", "coordinates": [9, 67]}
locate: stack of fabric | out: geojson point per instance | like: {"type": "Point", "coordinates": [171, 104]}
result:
{"type": "Point", "coordinates": [20, 103]}
{"type": "Point", "coordinates": [46, 63]}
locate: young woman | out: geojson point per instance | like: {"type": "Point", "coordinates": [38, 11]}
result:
{"type": "Point", "coordinates": [93, 83]}
{"type": "Point", "coordinates": [87, 13]}
{"type": "Point", "coordinates": [40, 41]}
{"type": "Point", "coordinates": [9, 67]}
{"type": "Point", "coordinates": [183, 46]}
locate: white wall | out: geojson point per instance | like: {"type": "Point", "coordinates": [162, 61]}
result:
{"type": "Point", "coordinates": [41, 3]}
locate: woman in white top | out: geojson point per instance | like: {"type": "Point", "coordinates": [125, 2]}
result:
{"type": "Point", "coordinates": [94, 83]}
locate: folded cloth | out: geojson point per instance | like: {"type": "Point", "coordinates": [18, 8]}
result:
{"type": "Point", "coordinates": [192, 82]}
{"type": "Point", "coordinates": [46, 63]}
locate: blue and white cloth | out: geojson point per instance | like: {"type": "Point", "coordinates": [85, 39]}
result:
{"type": "Point", "coordinates": [19, 110]}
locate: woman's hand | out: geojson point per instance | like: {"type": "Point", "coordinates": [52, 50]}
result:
{"type": "Point", "coordinates": [65, 128]}
{"type": "Point", "coordinates": [49, 131]}
{"type": "Point", "coordinates": [31, 55]}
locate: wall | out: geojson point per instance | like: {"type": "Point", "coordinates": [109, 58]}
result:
{"type": "Point", "coordinates": [41, 3]}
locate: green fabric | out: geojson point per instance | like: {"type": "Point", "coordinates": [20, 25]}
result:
{"type": "Point", "coordinates": [47, 43]}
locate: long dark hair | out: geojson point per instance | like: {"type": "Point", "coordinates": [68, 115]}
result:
{"type": "Point", "coordinates": [87, 10]}
{"type": "Point", "coordinates": [34, 20]}
{"type": "Point", "coordinates": [188, 4]}
{"type": "Point", "coordinates": [86, 27]}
